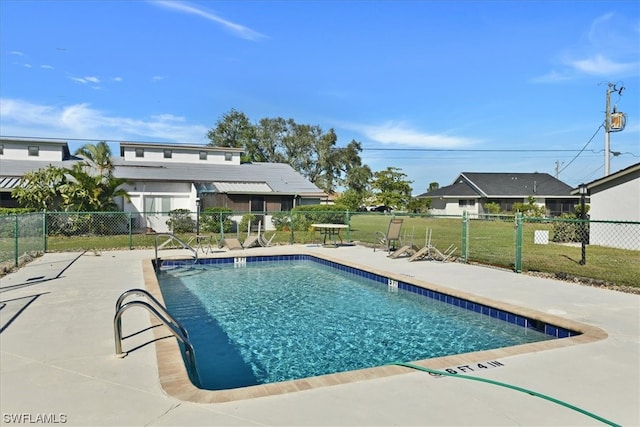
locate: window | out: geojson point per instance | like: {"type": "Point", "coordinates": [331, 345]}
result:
{"type": "Point", "coordinates": [168, 154]}
{"type": "Point", "coordinates": [1, 149]}
{"type": "Point", "coordinates": [157, 204]}
{"type": "Point", "coordinates": [34, 150]}
{"type": "Point", "coordinates": [139, 152]}
{"type": "Point", "coordinates": [203, 155]}
{"type": "Point", "coordinates": [466, 203]}
{"type": "Point", "coordinates": [286, 204]}
{"type": "Point", "coordinates": [228, 157]}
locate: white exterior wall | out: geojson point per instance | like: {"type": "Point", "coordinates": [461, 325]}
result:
{"type": "Point", "coordinates": [153, 200]}
{"type": "Point", "coordinates": [615, 203]}
{"type": "Point", "coordinates": [619, 203]}
{"type": "Point", "coordinates": [46, 152]}
{"type": "Point", "coordinates": [451, 207]}
{"type": "Point", "coordinates": [156, 154]}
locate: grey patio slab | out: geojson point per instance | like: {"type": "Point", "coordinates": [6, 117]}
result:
{"type": "Point", "coordinates": [56, 355]}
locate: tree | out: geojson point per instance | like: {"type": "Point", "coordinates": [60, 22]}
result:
{"type": "Point", "coordinates": [97, 156]}
{"type": "Point", "coordinates": [391, 187]}
{"type": "Point", "coordinates": [306, 148]}
{"type": "Point", "coordinates": [419, 205]}
{"type": "Point", "coordinates": [76, 188]}
{"type": "Point", "coordinates": [42, 189]}
{"type": "Point", "coordinates": [233, 130]}
{"type": "Point", "coordinates": [87, 192]}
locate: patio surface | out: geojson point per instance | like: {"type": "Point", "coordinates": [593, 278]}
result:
{"type": "Point", "coordinates": [57, 360]}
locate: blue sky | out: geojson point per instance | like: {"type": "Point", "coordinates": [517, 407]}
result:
{"type": "Point", "coordinates": [434, 88]}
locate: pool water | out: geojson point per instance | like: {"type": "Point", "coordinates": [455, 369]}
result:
{"type": "Point", "coordinates": [267, 322]}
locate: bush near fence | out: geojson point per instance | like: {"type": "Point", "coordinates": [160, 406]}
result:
{"type": "Point", "coordinates": [611, 247]}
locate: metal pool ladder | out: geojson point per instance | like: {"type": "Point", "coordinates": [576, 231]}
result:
{"type": "Point", "coordinates": [161, 313]}
{"type": "Point", "coordinates": [171, 237]}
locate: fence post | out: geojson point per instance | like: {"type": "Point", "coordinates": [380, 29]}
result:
{"type": "Point", "coordinates": [15, 240]}
{"type": "Point", "coordinates": [291, 237]}
{"type": "Point", "coordinates": [44, 231]}
{"type": "Point", "coordinates": [130, 230]}
{"type": "Point", "coordinates": [518, 255]}
{"type": "Point", "coordinates": [465, 237]}
{"type": "Point", "coordinates": [348, 227]}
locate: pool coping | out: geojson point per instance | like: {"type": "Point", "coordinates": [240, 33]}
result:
{"type": "Point", "coordinates": [175, 381]}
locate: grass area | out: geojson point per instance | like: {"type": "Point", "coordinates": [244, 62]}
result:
{"type": "Point", "coordinates": [489, 242]}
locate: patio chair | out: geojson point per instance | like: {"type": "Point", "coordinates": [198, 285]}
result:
{"type": "Point", "coordinates": [251, 241]}
{"type": "Point", "coordinates": [406, 246]}
{"type": "Point", "coordinates": [232, 243]}
{"type": "Point", "coordinates": [262, 240]}
{"type": "Point", "coordinates": [429, 251]}
{"type": "Point", "coordinates": [392, 236]}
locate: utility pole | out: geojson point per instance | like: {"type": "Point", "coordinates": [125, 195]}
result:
{"type": "Point", "coordinates": [607, 126]}
{"type": "Point", "coordinates": [618, 125]}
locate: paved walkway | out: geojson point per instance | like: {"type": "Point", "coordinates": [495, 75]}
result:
{"type": "Point", "coordinates": [57, 363]}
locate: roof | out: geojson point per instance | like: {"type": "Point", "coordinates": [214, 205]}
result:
{"type": "Point", "coordinates": [184, 147]}
{"type": "Point", "coordinates": [623, 173]}
{"type": "Point", "coordinates": [502, 185]}
{"type": "Point", "coordinates": [269, 178]}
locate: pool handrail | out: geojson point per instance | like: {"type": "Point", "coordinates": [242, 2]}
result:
{"type": "Point", "coordinates": [177, 239]}
{"type": "Point", "coordinates": [154, 302]}
{"type": "Point", "coordinates": [176, 329]}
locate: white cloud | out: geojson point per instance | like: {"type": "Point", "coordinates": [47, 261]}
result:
{"type": "Point", "coordinates": [236, 29]}
{"type": "Point", "coordinates": [27, 65]}
{"type": "Point", "coordinates": [609, 48]}
{"type": "Point", "coordinates": [117, 79]}
{"type": "Point", "coordinates": [396, 133]}
{"type": "Point", "coordinates": [158, 78]}
{"type": "Point", "coordinates": [17, 53]}
{"type": "Point", "coordinates": [600, 65]}
{"type": "Point", "coordinates": [92, 79]}
{"type": "Point", "coordinates": [47, 67]}
{"type": "Point", "coordinates": [22, 118]}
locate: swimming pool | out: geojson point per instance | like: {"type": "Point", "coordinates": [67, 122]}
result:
{"type": "Point", "coordinates": [344, 319]}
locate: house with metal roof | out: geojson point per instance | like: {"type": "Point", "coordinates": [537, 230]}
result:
{"type": "Point", "coordinates": [471, 191]}
{"type": "Point", "coordinates": [165, 177]}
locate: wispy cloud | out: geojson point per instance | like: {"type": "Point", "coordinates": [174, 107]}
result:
{"type": "Point", "coordinates": [608, 49]}
{"type": "Point", "coordinates": [22, 118]}
{"type": "Point", "coordinates": [85, 80]}
{"type": "Point", "coordinates": [16, 52]}
{"type": "Point", "coordinates": [398, 133]}
{"type": "Point", "coordinates": [236, 29]}
{"type": "Point", "coordinates": [47, 67]}
{"type": "Point", "coordinates": [157, 78]}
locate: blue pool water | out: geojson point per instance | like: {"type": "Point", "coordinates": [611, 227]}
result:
{"type": "Point", "coordinates": [266, 322]}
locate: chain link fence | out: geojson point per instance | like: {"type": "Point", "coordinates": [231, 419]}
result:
{"type": "Point", "coordinates": [21, 238]}
{"type": "Point", "coordinates": [607, 251]}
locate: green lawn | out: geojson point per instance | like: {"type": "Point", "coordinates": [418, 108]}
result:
{"type": "Point", "coordinates": [489, 242]}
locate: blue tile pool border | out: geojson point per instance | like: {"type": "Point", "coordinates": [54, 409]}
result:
{"type": "Point", "coordinates": [516, 319]}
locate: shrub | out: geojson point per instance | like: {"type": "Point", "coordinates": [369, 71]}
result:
{"type": "Point", "coordinates": [180, 221]}
{"type": "Point", "coordinates": [211, 218]}
{"type": "Point", "coordinates": [245, 221]}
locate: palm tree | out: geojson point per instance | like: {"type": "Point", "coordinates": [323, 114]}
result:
{"type": "Point", "coordinates": [99, 157]}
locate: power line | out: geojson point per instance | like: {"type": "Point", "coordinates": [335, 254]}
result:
{"type": "Point", "coordinates": [583, 148]}
{"type": "Point", "coordinates": [461, 150]}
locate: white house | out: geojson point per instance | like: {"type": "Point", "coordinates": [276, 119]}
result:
{"type": "Point", "coordinates": [164, 177]}
{"type": "Point", "coordinates": [615, 197]}
{"type": "Point", "coordinates": [471, 191]}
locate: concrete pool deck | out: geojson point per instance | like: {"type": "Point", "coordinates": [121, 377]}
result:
{"type": "Point", "coordinates": [57, 358]}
